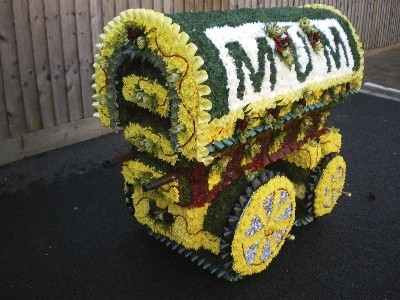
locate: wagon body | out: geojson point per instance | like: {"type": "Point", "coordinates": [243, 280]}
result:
{"type": "Point", "coordinates": [216, 105]}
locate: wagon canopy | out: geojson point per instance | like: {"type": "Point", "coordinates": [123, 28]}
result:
{"type": "Point", "coordinates": [180, 82]}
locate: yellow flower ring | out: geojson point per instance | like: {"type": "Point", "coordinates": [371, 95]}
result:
{"type": "Point", "coordinates": [263, 226]}
{"type": "Point", "coordinates": [330, 186]}
{"type": "Point", "coordinates": [326, 185]}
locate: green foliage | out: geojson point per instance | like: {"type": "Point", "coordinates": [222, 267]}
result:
{"type": "Point", "coordinates": [219, 209]}
{"type": "Point", "coordinates": [184, 185]}
{"type": "Point", "coordinates": [291, 171]}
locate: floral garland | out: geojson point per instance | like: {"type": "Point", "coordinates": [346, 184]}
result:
{"type": "Point", "coordinates": [251, 150]}
{"type": "Point", "coordinates": [277, 142]}
{"type": "Point", "coordinates": [136, 173]}
{"type": "Point", "coordinates": [146, 94]}
{"type": "Point", "coordinates": [312, 33]}
{"type": "Point", "coordinates": [145, 140]}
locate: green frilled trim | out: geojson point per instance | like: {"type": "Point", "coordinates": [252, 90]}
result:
{"type": "Point", "coordinates": [194, 24]}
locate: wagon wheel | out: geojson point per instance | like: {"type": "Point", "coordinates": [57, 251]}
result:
{"type": "Point", "coordinates": [326, 185]}
{"type": "Point", "coordinates": [259, 224]}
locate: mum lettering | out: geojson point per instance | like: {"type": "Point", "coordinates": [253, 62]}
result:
{"type": "Point", "coordinates": [255, 71]}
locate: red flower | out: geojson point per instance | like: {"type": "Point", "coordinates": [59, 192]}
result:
{"type": "Point", "coordinates": [242, 124]}
{"type": "Point", "coordinates": [133, 34]}
{"type": "Point", "coordinates": [315, 39]}
{"type": "Point", "coordinates": [274, 113]}
{"type": "Point", "coordinates": [281, 43]}
{"type": "Point", "coordinates": [278, 44]}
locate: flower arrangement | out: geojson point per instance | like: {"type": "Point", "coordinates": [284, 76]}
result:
{"type": "Point", "coordinates": [216, 105]}
{"type": "Point", "coordinates": [281, 39]}
{"type": "Point", "coordinates": [312, 33]}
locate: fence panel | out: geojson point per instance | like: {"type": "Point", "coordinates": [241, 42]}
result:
{"type": "Point", "coordinates": [71, 59]}
{"type": "Point", "coordinates": [56, 60]}
{"type": "Point", "coordinates": [85, 54]}
{"type": "Point", "coordinates": [27, 65]}
{"type": "Point", "coordinates": [121, 5]}
{"type": "Point", "coordinates": [42, 66]}
{"type": "Point", "coordinates": [11, 76]}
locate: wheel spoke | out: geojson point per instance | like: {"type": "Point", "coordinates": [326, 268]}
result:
{"type": "Point", "coordinates": [278, 237]}
{"type": "Point", "coordinates": [266, 251]}
{"type": "Point", "coordinates": [276, 201]}
{"type": "Point", "coordinates": [272, 241]}
{"type": "Point", "coordinates": [264, 218]}
{"type": "Point", "coordinates": [248, 241]}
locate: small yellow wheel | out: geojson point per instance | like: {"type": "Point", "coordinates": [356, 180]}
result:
{"type": "Point", "coordinates": [266, 218]}
{"type": "Point", "coordinates": [327, 184]}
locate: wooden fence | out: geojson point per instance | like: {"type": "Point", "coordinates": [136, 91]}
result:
{"type": "Point", "coordinates": [46, 56]}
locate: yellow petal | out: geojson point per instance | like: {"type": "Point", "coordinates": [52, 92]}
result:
{"type": "Point", "coordinates": [205, 104]}
{"type": "Point", "coordinates": [204, 117]}
{"type": "Point", "coordinates": [204, 90]}
{"type": "Point", "coordinates": [183, 38]}
{"type": "Point", "coordinates": [191, 49]}
{"type": "Point", "coordinates": [202, 140]}
{"type": "Point", "coordinates": [201, 76]}
{"type": "Point", "coordinates": [175, 28]}
{"type": "Point", "coordinates": [197, 62]}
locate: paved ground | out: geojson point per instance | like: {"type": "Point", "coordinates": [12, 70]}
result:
{"type": "Point", "coordinates": [67, 234]}
{"type": "Point", "coordinates": [383, 71]}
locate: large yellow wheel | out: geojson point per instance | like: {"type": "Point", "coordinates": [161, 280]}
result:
{"type": "Point", "coordinates": [263, 218]}
{"type": "Point", "coordinates": [326, 185]}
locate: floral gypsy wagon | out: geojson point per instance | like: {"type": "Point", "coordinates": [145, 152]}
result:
{"type": "Point", "coordinates": [227, 115]}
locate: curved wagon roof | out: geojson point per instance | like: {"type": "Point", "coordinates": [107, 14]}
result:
{"type": "Point", "coordinates": [204, 71]}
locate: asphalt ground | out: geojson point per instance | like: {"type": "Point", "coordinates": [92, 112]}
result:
{"type": "Point", "coordinates": [66, 233]}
